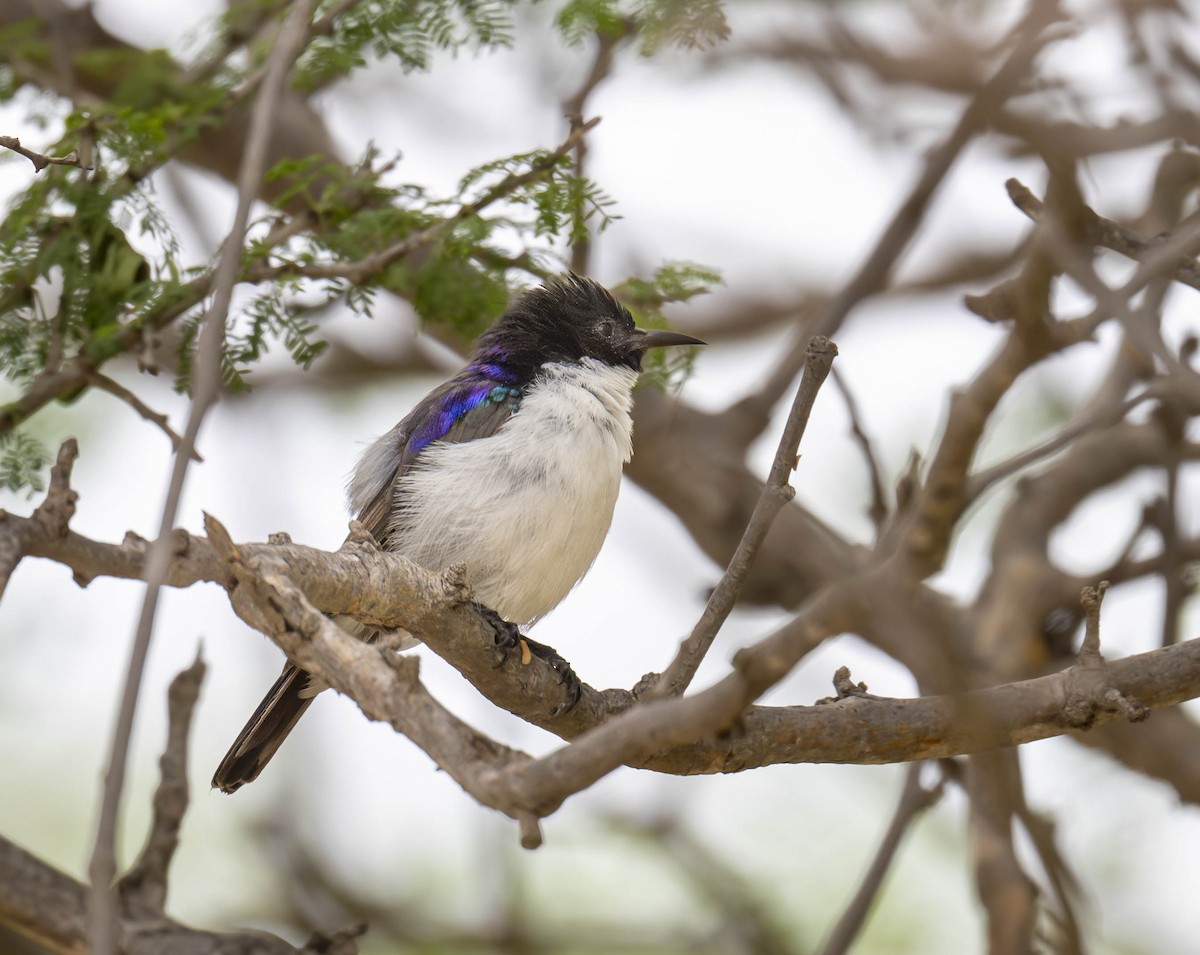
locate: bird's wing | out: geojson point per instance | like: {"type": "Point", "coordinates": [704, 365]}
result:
{"type": "Point", "coordinates": [465, 408]}
{"type": "Point", "coordinates": [469, 406]}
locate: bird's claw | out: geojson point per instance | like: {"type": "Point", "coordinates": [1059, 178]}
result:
{"type": "Point", "coordinates": [507, 637]}
{"type": "Point", "coordinates": [567, 679]}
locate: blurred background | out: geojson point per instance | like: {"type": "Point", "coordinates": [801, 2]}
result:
{"type": "Point", "coordinates": [767, 159]}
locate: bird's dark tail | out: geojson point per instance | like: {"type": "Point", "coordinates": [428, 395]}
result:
{"type": "Point", "coordinates": [265, 730]}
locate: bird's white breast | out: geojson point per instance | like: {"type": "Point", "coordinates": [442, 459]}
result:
{"type": "Point", "coordinates": [526, 509]}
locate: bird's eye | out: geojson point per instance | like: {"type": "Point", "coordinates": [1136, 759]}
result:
{"type": "Point", "coordinates": [606, 329]}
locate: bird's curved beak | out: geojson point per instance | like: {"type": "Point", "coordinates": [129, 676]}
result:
{"type": "Point", "coordinates": [660, 338]}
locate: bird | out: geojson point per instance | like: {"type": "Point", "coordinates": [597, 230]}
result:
{"type": "Point", "coordinates": [510, 469]}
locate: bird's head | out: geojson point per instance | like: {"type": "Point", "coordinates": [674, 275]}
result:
{"type": "Point", "coordinates": [567, 319]}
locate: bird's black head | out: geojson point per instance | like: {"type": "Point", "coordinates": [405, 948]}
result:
{"type": "Point", "coordinates": [569, 318]}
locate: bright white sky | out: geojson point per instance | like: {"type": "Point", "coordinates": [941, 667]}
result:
{"type": "Point", "coordinates": [755, 172]}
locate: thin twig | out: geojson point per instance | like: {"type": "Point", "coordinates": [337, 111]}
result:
{"type": "Point", "coordinates": [207, 380]}
{"type": "Point", "coordinates": [1008, 896]}
{"type": "Point", "coordinates": [1109, 235]}
{"type": "Point", "coordinates": [362, 270]}
{"type": "Point", "coordinates": [872, 276]}
{"type": "Point", "coordinates": [39, 160]}
{"type": "Point", "coordinates": [1092, 598]}
{"type": "Point", "coordinates": [1164, 515]}
{"type": "Point", "coordinates": [914, 800]}
{"type": "Point", "coordinates": [118, 390]}
{"type": "Point", "coordinates": [743, 915]}
{"type": "Point", "coordinates": [50, 385]}
{"type": "Point", "coordinates": [573, 107]}
{"type": "Point", "coordinates": [878, 511]}
{"type": "Point", "coordinates": [982, 480]}
{"type": "Point", "coordinates": [1158, 262]}
{"type": "Point", "coordinates": [1063, 882]}
{"type": "Point", "coordinates": [145, 884]}
{"type": "Point", "coordinates": [775, 494]}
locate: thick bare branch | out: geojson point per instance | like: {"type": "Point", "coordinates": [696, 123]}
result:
{"type": "Point", "coordinates": [48, 907]}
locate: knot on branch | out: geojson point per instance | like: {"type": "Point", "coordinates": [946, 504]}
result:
{"type": "Point", "coordinates": [55, 512]}
{"type": "Point", "coordinates": [406, 668]}
{"type": "Point", "coordinates": [1090, 693]}
{"type": "Point", "coordinates": [359, 538]}
{"type": "Point", "coordinates": [1090, 690]}
{"type": "Point", "coordinates": [647, 683]}
{"type": "Point", "coordinates": [846, 688]}
{"type": "Point", "coordinates": [455, 589]}
{"type": "Point", "coordinates": [820, 353]}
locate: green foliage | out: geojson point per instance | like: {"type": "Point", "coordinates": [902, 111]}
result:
{"type": "Point", "coordinates": [406, 31]}
{"type": "Point", "coordinates": [90, 266]}
{"type": "Point", "coordinates": [688, 24]}
{"type": "Point", "coordinates": [269, 317]}
{"type": "Point", "coordinates": [645, 298]}
{"type": "Point", "coordinates": [8, 86]}
{"type": "Point", "coordinates": [22, 460]}
{"type": "Point", "coordinates": [461, 276]}
{"type": "Point", "coordinates": [579, 19]}
{"type": "Point", "coordinates": [557, 202]}
{"type": "Point", "coordinates": [62, 236]}
{"type": "Point", "coordinates": [672, 282]}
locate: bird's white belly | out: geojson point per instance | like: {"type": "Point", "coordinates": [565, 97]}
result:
{"type": "Point", "coordinates": [527, 509]}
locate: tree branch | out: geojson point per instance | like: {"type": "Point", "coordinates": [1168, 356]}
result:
{"type": "Point", "coordinates": [144, 886]}
{"type": "Point", "coordinates": [776, 493]}
{"type": "Point", "coordinates": [39, 160]}
{"type": "Point", "coordinates": [206, 385]}
{"type": "Point", "coordinates": [914, 800]}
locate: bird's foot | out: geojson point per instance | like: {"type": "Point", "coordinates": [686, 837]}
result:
{"type": "Point", "coordinates": [567, 679]}
{"type": "Point", "coordinates": [507, 637]}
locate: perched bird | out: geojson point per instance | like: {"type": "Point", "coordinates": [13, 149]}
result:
{"type": "Point", "coordinates": [511, 469]}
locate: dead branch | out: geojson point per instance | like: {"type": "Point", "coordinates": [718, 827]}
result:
{"type": "Point", "coordinates": [777, 492]}
{"type": "Point", "coordinates": [39, 160]}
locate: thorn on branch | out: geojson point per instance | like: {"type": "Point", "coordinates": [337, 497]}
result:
{"type": "Point", "coordinates": [909, 482]}
{"type": "Point", "coordinates": [223, 544]}
{"type": "Point", "coordinates": [1089, 689]}
{"type": "Point", "coordinates": [999, 304]}
{"type": "Point", "coordinates": [406, 668]}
